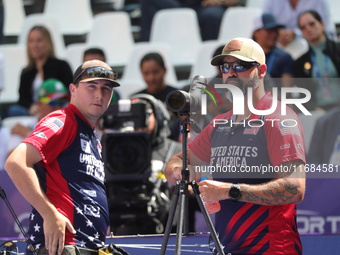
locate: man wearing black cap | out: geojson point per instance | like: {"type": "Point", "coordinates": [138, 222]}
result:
{"type": "Point", "coordinates": [58, 168]}
{"type": "Point", "coordinates": [279, 62]}
{"type": "Point", "coordinates": [258, 211]}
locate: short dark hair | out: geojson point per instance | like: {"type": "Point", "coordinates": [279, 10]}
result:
{"type": "Point", "coordinates": [95, 51]}
{"type": "Point", "coordinates": [153, 56]}
{"type": "Point", "coordinates": [218, 51]}
{"type": "Point", "coordinates": [315, 14]}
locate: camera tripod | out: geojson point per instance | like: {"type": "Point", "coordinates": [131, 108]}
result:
{"type": "Point", "coordinates": [180, 198]}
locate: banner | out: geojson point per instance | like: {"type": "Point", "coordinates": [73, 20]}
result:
{"type": "Point", "coordinates": [319, 213]}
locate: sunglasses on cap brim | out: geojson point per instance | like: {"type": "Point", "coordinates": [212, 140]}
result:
{"type": "Point", "coordinates": [238, 66]}
{"type": "Point", "coordinates": [95, 72]}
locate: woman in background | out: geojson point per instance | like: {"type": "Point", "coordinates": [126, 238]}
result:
{"type": "Point", "coordinates": [321, 62]}
{"type": "Point", "coordinates": [153, 70]}
{"type": "Point", "coordinates": [42, 65]}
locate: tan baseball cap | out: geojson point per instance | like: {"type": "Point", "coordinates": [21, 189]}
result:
{"type": "Point", "coordinates": [242, 48]}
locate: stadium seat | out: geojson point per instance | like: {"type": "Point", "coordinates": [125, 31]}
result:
{"type": "Point", "coordinates": [334, 6]}
{"type": "Point", "coordinates": [178, 27]}
{"type": "Point", "coordinates": [14, 15]}
{"type": "Point", "coordinates": [237, 22]}
{"type": "Point", "coordinates": [14, 61]}
{"type": "Point", "coordinates": [74, 54]}
{"type": "Point", "coordinates": [111, 31]}
{"type": "Point", "coordinates": [204, 55]}
{"type": "Point", "coordinates": [74, 16]}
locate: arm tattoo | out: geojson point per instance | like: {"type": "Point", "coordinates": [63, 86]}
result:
{"type": "Point", "coordinates": [279, 191]}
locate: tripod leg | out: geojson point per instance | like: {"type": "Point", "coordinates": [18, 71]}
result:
{"type": "Point", "coordinates": [170, 221]}
{"type": "Point", "coordinates": [207, 219]}
{"type": "Point", "coordinates": [182, 199]}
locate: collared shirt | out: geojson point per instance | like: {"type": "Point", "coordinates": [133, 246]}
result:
{"type": "Point", "coordinates": [72, 175]}
{"type": "Point", "coordinates": [257, 143]}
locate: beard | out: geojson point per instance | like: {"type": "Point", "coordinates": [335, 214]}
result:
{"type": "Point", "coordinates": [252, 82]}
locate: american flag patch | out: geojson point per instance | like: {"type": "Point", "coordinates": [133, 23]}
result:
{"type": "Point", "coordinates": [53, 123]}
{"type": "Point", "coordinates": [289, 130]}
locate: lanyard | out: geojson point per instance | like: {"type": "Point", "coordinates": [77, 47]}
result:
{"type": "Point", "coordinates": [317, 70]}
{"type": "Point", "coordinates": [323, 81]}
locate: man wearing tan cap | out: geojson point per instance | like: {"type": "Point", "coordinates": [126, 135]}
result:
{"type": "Point", "coordinates": [257, 162]}
{"type": "Point", "coordinates": [59, 170]}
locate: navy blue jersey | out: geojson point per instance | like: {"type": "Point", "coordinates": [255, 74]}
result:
{"type": "Point", "coordinates": [72, 175]}
{"type": "Point", "coordinates": [246, 228]}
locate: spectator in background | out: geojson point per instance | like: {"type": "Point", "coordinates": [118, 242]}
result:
{"type": "Point", "coordinates": [94, 53]}
{"type": "Point", "coordinates": [153, 70]}
{"type": "Point", "coordinates": [209, 13]}
{"type": "Point", "coordinates": [97, 53]}
{"type": "Point", "coordinates": [286, 13]}
{"type": "Point", "coordinates": [218, 52]}
{"type": "Point", "coordinates": [42, 65]}
{"type": "Point", "coordinates": [279, 62]}
{"type": "Point", "coordinates": [321, 62]}
{"type": "Point", "coordinates": [52, 95]}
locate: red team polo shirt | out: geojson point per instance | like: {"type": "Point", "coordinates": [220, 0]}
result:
{"type": "Point", "coordinates": [246, 228]}
{"type": "Point", "coordinates": [72, 175]}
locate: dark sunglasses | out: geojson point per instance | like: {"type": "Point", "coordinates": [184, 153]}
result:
{"type": "Point", "coordinates": [238, 66]}
{"type": "Point", "coordinates": [96, 71]}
